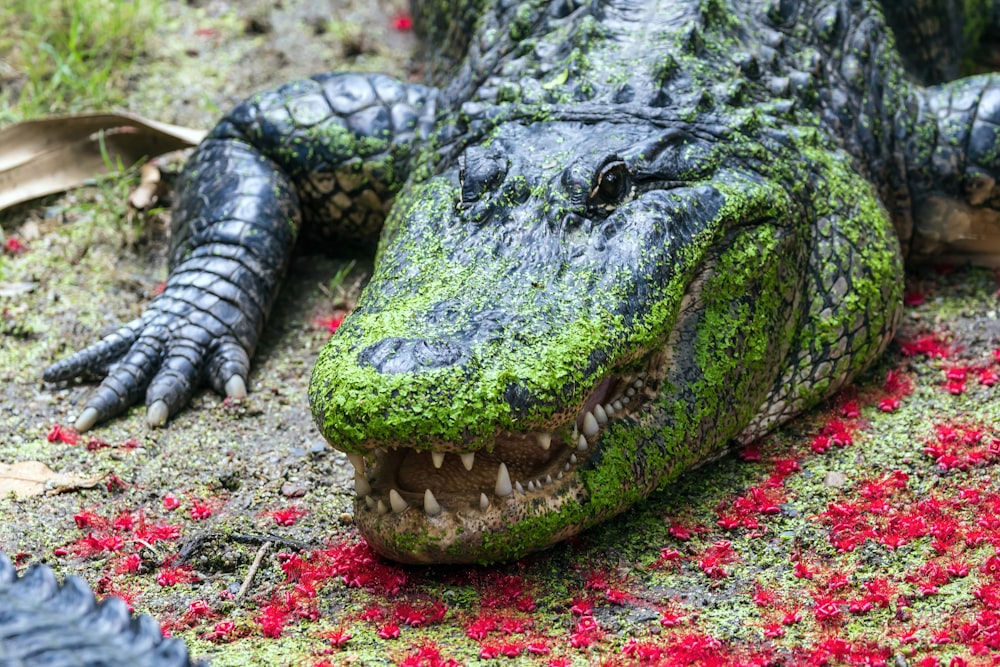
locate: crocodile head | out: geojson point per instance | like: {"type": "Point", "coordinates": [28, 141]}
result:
{"type": "Point", "coordinates": [558, 322]}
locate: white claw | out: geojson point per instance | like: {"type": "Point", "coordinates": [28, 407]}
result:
{"type": "Point", "coordinates": [396, 501]}
{"type": "Point", "coordinates": [503, 486]}
{"type": "Point", "coordinates": [600, 414]}
{"type": "Point", "coordinates": [484, 502]}
{"type": "Point", "coordinates": [157, 413]}
{"type": "Point", "coordinates": [437, 458]}
{"type": "Point", "coordinates": [589, 425]}
{"type": "Point", "coordinates": [236, 387]}
{"type": "Point", "coordinates": [581, 443]}
{"type": "Point", "coordinates": [86, 420]}
{"type": "Point", "coordinates": [358, 461]}
{"type": "Point", "coordinates": [545, 440]}
{"type": "Point", "coordinates": [381, 508]}
{"type": "Point", "coordinates": [361, 485]}
{"type": "Point", "coordinates": [468, 459]}
{"type": "Point", "coordinates": [431, 506]}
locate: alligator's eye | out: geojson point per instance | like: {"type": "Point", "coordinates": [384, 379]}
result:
{"type": "Point", "coordinates": [611, 185]}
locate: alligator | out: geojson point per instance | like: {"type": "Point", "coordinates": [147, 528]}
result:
{"type": "Point", "coordinates": [612, 239]}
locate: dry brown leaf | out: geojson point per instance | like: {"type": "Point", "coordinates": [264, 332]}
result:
{"type": "Point", "coordinates": [40, 157]}
{"type": "Point", "coordinates": [26, 479]}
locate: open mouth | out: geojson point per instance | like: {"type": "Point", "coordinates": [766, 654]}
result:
{"type": "Point", "coordinates": [518, 468]}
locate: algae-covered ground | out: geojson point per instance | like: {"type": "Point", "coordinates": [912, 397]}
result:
{"type": "Point", "coordinates": [865, 532]}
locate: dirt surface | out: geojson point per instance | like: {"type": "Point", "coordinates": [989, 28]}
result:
{"type": "Point", "coordinates": [744, 562]}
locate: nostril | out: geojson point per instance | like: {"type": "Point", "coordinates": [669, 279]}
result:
{"type": "Point", "coordinates": [406, 355]}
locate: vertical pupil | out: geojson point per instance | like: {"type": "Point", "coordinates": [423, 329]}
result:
{"type": "Point", "coordinates": [611, 184]}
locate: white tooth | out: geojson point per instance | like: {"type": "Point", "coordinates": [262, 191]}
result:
{"type": "Point", "coordinates": [575, 434]}
{"type": "Point", "coordinates": [617, 405]}
{"type": "Point", "coordinates": [610, 410]}
{"type": "Point", "coordinates": [589, 425]}
{"type": "Point", "coordinates": [468, 459]}
{"type": "Point", "coordinates": [581, 444]}
{"type": "Point", "coordinates": [484, 502]}
{"type": "Point", "coordinates": [560, 475]}
{"type": "Point", "coordinates": [431, 506]}
{"type": "Point", "coordinates": [358, 461]}
{"type": "Point", "coordinates": [396, 501]}
{"type": "Point", "coordinates": [502, 487]}
{"type": "Point", "coordinates": [361, 485]}
{"type": "Point", "coordinates": [625, 400]}
{"type": "Point", "coordinates": [630, 392]}
{"type": "Point", "coordinates": [520, 489]}
{"type": "Point", "coordinates": [600, 414]}
{"type": "Point", "coordinates": [545, 440]}
{"type": "Point", "coordinates": [565, 469]}
{"type": "Point", "coordinates": [370, 502]}
{"type": "Point", "coordinates": [531, 486]}
{"type": "Point", "coordinates": [437, 458]}
{"type": "Point", "coordinates": [548, 479]}
{"type": "Point", "coordinates": [572, 459]}
{"type": "Point", "coordinates": [639, 384]}
{"type": "Point", "coordinates": [382, 509]}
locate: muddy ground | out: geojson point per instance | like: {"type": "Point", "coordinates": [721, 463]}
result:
{"type": "Point", "coordinates": [666, 582]}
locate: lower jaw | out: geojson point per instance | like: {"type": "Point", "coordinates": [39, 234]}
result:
{"type": "Point", "coordinates": [506, 531]}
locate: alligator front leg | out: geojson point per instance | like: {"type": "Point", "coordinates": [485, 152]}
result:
{"type": "Point", "coordinates": [953, 168]}
{"type": "Point", "coordinates": [324, 154]}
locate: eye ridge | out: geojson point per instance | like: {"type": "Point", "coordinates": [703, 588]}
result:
{"type": "Point", "coordinates": [611, 184]}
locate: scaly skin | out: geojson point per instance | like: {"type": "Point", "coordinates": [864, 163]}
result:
{"type": "Point", "coordinates": [625, 236]}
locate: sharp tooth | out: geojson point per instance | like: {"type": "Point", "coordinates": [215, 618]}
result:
{"type": "Point", "coordinates": [625, 400]}
{"type": "Point", "coordinates": [358, 461]}
{"type": "Point", "coordinates": [396, 501]}
{"type": "Point", "coordinates": [431, 506]}
{"type": "Point", "coordinates": [600, 414]}
{"type": "Point", "coordinates": [581, 444]}
{"type": "Point", "coordinates": [381, 508]}
{"type": "Point", "coordinates": [468, 459]}
{"type": "Point", "coordinates": [361, 485]}
{"type": "Point", "coordinates": [610, 410]}
{"type": "Point", "coordinates": [639, 384]}
{"type": "Point", "coordinates": [576, 433]}
{"type": "Point", "coordinates": [548, 479]}
{"type": "Point", "coordinates": [484, 502]}
{"type": "Point", "coordinates": [572, 458]}
{"type": "Point", "coordinates": [370, 502]}
{"type": "Point", "coordinates": [531, 486]}
{"type": "Point", "coordinates": [617, 405]}
{"type": "Point", "coordinates": [630, 392]}
{"type": "Point", "coordinates": [502, 487]}
{"type": "Point", "coordinates": [520, 489]}
{"type": "Point", "coordinates": [565, 469]}
{"type": "Point", "coordinates": [589, 425]}
{"type": "Point", "coordinates": [560, 475]}
{"type": "Point", "coordinates": [545, 440]}
{"type": "Point", "coordinates": [437, 458]}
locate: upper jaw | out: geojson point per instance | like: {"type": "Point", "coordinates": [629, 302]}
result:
{"type": "Point", "coordinates": [431, 506]}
